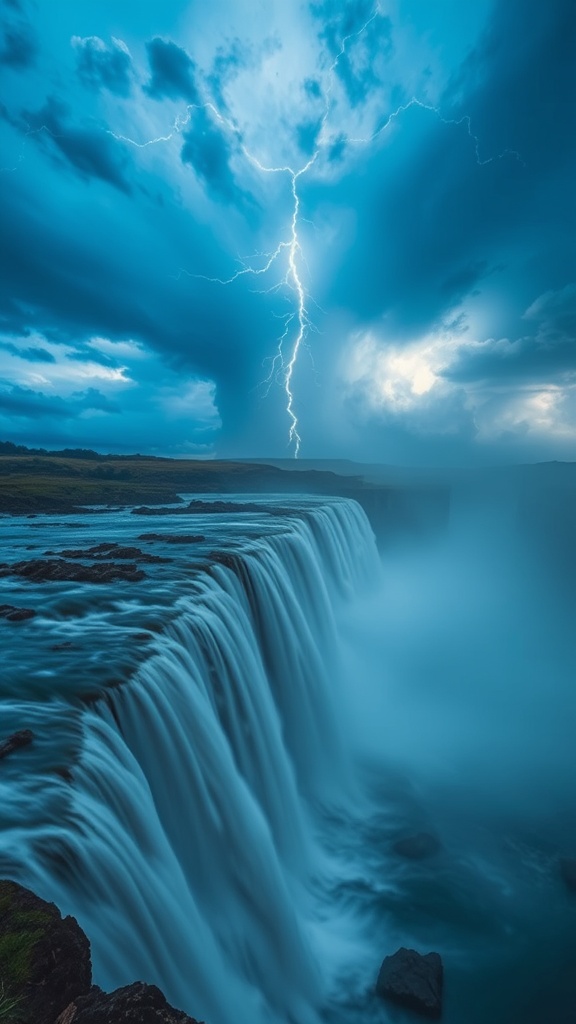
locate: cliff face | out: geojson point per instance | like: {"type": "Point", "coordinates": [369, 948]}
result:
{"type": "Point", "coordinates": [46, 973]}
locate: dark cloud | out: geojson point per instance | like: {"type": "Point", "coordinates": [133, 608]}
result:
{"type": "Point", "coordinates": [227, 63]}
{"type": "Point", "coordinates": [312, 88]}
{"type": "Point", "coordinates": [544, 355]}
{"type": "Point", "coordinates": [19, 47]}
{"type": "Point", "coordinates": [32, 354]}
{"type": "Point", "coordinates": [307, 136]}
{"type": "Point", "coordinates": [104, 283]}
{"type": "Point", "coordinates": [102, 66]}
{"type": "Point", "coordinates": [445, 208]}
{"type": "Point", "coordinates": [207, 150]}
{"type": "Point", "coordinates": [518, 84]}
{"type": "Point", "coordinates": [406, 238]}
{"type": "Point", "coordinates": [358, 36]}
{"type": "Point", "coordinates": [18, 401]}
{"type": "Point", "coordinates": [418, 223]}
{"type": "Point", "coordinates": [172, 72]}
{"type": "Point", "coordinates": [91, 151]}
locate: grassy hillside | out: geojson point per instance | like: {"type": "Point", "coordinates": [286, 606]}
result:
{"type": "Point", "coordinates": [36, 482]}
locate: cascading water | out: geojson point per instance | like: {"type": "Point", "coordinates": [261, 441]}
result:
{"type": "Point", "coordinates": [230, 755]}
{"type": "Point", "coordinates": [186, 843]}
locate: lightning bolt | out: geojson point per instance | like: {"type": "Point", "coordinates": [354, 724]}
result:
{"type": "Point", "coordinates": [298, 323]}
{"type": "Point", "coordinates": [454, 122]}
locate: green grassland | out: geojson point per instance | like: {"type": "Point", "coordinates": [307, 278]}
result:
{"type": "Point", "coordinates": [32, 483]}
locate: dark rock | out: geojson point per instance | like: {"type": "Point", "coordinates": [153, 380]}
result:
{"type": "Point", "coordinates": [44, 959]}
{"type": "Point", "coordinates": [66, 645]}
{"type": "Point", "coordinates": [104, 551]}
{"type": "Point", "coordinates": [135, 1004]}
{"type": "Point", "coordinates": [41, 570]}
{"type": "Point", "coordinates": [568, 871]}
{"type": "Point", "coordinates": [141, 637]}
{"type": "Point", "coordinates": [228, 558]}
{"type": "Point", "coordinates": [418, 846]}
{"type": "Point", "coordinates": [198, 507]}
{"type": "Point", "coordinates": [174, 538]}
{"type": "Point", "coordinates": [15, 741]}
{"type": "Point", "coordinates": [412, 980]}
{"type": "Point", "coordinates": [12, 614]}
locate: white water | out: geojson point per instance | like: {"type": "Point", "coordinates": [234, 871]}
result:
{"type": "Point", "coordinates": [186, 846]}
{"type": "Point", "coordinates": [229, 831]}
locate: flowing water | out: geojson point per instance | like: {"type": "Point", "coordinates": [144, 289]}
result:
{"type": "Point", "coordinates": [226, 751]}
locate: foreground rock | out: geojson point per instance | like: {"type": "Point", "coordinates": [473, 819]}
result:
{"type": "Point", "coordinates": [46, 973]}
{"type": "Point", "coordinates": [412, 980]}
{"type": "Point", "coordinates": [135, 1004]}
{"type": "Point", "coordinates": [417, 847]}
{"type": "Point", "coordinates": [15, 741]}
{"type": "Point", "coordinates": [44, 958]}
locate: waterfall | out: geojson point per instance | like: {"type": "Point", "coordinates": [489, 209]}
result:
{"type": "Point", "coordinates": [188, 850]}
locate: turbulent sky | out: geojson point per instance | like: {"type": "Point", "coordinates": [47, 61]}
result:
{"type": "Point", "coordinates": [234, 224]}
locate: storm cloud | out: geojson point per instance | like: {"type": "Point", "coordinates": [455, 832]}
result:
{"type": "Point", "coordinates": [393, 187]}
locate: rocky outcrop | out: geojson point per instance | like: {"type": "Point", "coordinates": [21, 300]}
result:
{"type": "Point", "coordinates": [417, 847]}
{"type": "Point", "coordinates": [13, 614]}
{"type": "Point", "coordinates": [44, 570]}
{"type": "Point", "coordinates": [15, 741]}
{"type": "Point", "coordinates": [46, 973]}
{"type": "Point", "coordinates": [174, 538]}
{"type": "Point", "coordinates": [412, 980]}
{"type": "Point", "coordinates": [110, 550]}
{"type": "Point", "coordinates": [44, 958]}
{"type": "Point", "coordinates": [198, 507]}
{"type": "Point", "coordinates": [135, 1004]}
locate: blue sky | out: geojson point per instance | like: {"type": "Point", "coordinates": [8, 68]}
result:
{"type": "Point", "coordinates": [244, 229]}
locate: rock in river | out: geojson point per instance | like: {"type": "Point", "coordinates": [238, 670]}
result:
{"type": "Point", "coordinates": [412, 980]}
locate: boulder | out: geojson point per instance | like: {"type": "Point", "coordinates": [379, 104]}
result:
{"type": "Point", "coordinates": [412, 980]}
{"type": "Point", "coordinates": [44, 958]}
{"type": "Point", "coordinates": [135, 1004]}
{"type": "Point", "coordinates": [418, 846]}
{"type": "Point", "coordinates": [15, 741]}
{"type": "Point", "coordinates": [12, 614]}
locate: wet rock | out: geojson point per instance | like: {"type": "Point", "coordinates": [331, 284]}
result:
{"type": "Point", "coordinates": [15, 741]}
{"type": "Point", "coordinates": [111, 550]}
{"type": "Point", "coordinates": [134, 1004]}
{"type": "Point", "coordinates": [41, 570]}
{"type": "Point", "coordinates": [174, 538]}
{"type": "Point", "coordinates": [412, 980]}
{"type": "Point", "coordinates": [228, 558]}
{"type": "Point", "coordinates": [418, 846]}
{"type": "Point", "coordinates": [198, 507]}
{"type": "Point", "coordinates": [568, 871]}
{"type": "Point", "coordinates": [44, 958]}
{"type": "Point", "coordinates": [12, 614]}
{"type": "Point", "coordinates": [66, 645]}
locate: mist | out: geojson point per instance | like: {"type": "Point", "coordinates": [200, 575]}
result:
{"type": "Point", "coordinates": [461, 704]}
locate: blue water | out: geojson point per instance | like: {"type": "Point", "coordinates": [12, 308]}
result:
{"type": "Point", "coordinates": [225, 753]}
